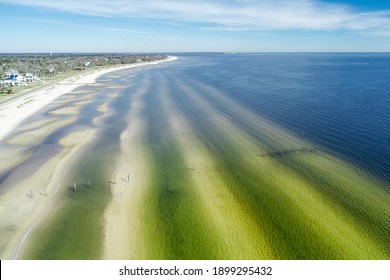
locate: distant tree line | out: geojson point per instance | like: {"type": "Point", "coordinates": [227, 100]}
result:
{"type": "Point", "coordinates": [51, 64]}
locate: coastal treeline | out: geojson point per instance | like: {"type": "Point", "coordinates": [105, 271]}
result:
{"type": "Point", "coordinates": [52, 64]}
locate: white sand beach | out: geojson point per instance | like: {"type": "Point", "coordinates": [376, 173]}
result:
{"type": "Point", "coordinates": [19, 213]}
{"type": "Point", "coordinates": [13, 112]}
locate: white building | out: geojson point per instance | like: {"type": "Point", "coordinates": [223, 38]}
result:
{"type": "Point", "coordinates": [13, 78]}
{"type": "Point", "coordinates": [30, 78]}
{"type": "Point", "coordinates": [13, 74]}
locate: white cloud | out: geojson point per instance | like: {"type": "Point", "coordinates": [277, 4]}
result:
{"type": "Point", "coordinates": [234, 14]}
{"type": "Point", "coordinates": [123, 30]}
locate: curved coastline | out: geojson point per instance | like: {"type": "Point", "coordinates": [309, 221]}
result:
{"type": "Point", "coordinates": [13, 112]}
{"type": "Point", "coordinates": [185, 172]}
{"type": "Point", "coordinates": [19, 212]}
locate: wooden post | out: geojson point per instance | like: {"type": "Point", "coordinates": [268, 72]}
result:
{"type": "Point", "coordinates": [30, 195]}
{"type": "Point", "coordinates": [73, 188]}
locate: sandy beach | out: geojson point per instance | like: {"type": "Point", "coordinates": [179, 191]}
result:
{"type": "Point", "coordinates": [13, 112]}
{"type": "Point", "coordinates": [28, 200]}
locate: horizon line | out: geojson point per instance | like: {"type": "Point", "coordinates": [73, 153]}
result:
{"type": "Point", "coordinates": [194, 52]}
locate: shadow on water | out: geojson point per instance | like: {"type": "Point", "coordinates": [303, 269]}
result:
{"type": "Point", "coordinates": [338, 101]}
{"type": "Point", "coordinates": [172, 214]}
{"type": "Point", "coordinates": [77, 224]}
{"type": "Point", "coordinates": [49, 146]}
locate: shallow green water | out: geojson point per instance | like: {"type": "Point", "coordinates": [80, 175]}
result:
{"type": "Point", "coordinates": [305, 205]}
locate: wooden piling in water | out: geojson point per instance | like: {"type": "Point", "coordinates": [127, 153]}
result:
{"type": "Point", "coordinates": [74, 188]}
{"type": "Point", "coordinates": [286, 152]}
{"type": "Point", "coordinates": [127, 179]}
{"type": "Point", "coordinates": [30, 195]}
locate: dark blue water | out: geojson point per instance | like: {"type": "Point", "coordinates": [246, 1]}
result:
{"type": "Point", "coordinates": [338, 101]}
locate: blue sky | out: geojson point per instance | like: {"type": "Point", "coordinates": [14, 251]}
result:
{"type": "Point", "coordinates": [194, 25]}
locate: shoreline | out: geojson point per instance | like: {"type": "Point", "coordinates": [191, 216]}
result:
{"type": "Point", "coordinates": [180, 169]}
{"type": "Point", "coordinates": [16, 110]}
{"type": "Point", "coordinates": [29, 214]}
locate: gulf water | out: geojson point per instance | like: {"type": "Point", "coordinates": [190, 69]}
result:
{"type": "Point", "coordinates": [338, 101]}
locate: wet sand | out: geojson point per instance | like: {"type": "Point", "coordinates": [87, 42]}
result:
{"type": "Point", "coordinates": [22, 213]}
{"type": "Point", "coordinates": [122, 226]}
{"type": "Point", "coordinates": [13, 112]}
{"type": "Point", "coordinates": [28, 200]}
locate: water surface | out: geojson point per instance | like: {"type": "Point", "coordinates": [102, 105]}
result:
{"type": "Point", "coordinates": [338, 101]}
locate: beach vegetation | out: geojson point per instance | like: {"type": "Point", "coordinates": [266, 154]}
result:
{"type": "Point", "coordinates": [7, 90]}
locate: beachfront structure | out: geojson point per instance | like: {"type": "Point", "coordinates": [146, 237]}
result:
{"type": "Point", "coordinates": [12, 82]}
{"type": "Point", "coordinates": [29, 78]}
{"type": "Point", "coordinates": [11, 74]}
{"type": "Point", "coordinates": [13, 78]}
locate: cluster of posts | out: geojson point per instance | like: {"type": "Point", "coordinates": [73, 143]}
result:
{"type": "Point", "coordinates": [125, 179]}
{"type": "Point", "coordinates": [31, 195]}
{"type": "Point", "coordinates": [286, 152]}
{"type": "Point", "coordinates": [74, 187]}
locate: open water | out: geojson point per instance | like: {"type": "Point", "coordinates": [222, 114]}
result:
{"type": "Point", "coordinates": [340, 102]}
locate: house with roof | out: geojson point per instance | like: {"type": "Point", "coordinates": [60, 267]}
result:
{"type": "Point", "coordinates": [11, 74]}
{"type": "Point", "coordinates": [30, 78]}
{"type": "Point", "coordinates": [12, 78]}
